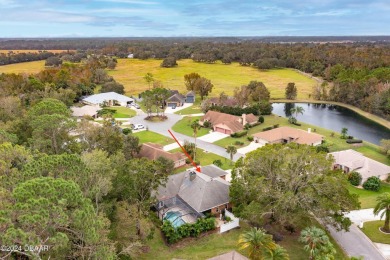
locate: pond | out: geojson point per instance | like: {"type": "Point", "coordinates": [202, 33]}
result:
{"type": "Point", "coordinates": [335, 118]}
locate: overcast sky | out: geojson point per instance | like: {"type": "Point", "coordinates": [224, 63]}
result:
{"type": "Point", "coordinates": [127, 18]}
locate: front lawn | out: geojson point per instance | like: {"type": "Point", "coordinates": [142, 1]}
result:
{"type": "Point", "coordinates": [194, 109]}
{"type": "Point", "coordinates": [123, 112]}
{"type": "Point", "coordinates": [371, 229]}
{"type": "Point", "coordinates": [206, 158]}
{"type": "Point", "coordinates": [184, 127]}
{"type": "Point", "coordinates": [152, 137]}
{"type": "Point", "coordinates": [367, 198]}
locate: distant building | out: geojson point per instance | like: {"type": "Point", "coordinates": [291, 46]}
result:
{"type": "Point", "coordinates": [190, 97]}
{"type": "Point", "coordinates": [227, 124]}
{"type": "Point", "coordinates": [130, 56]}
{"type": "Point", "coordinates": [86, 110]}
{"type": "Point", "coordinates": [286, 134]}
{"type": "Point", "coordinates": [153, 151]}
{"type": "Point", "coordinates": [350, 160]}
{"type": "Point", "coordinates": [108, 99]}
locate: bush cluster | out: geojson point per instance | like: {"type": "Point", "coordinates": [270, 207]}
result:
{"type": "Point", "coordinates": [372, 183]}
{"type": "Point", "coordinates": [355, 178]}
{"type": "Point", "coordinates": [239, 134]}
{"type": "Point", "coordinates": [217, 162]}
{"type": "Point", "coordinates": [238, 143]}
{"type": "Point", "coordinates": [250, 138]}
{"type": "Point", "coordinates": [354, 141]}
{"type": "Point", "coordinates": [173, 234]}
{"type": "Point", "coordinates": [262, 108]}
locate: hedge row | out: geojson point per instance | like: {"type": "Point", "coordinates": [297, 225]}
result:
{"type": "Point", "coordinates": [263, 108]}
{"type": "Point", "coordinates": [239, 134]}
{"type": "Point", "coordinates": [173, 234]}
{"type": "Point", "coordinates": [354, 141]}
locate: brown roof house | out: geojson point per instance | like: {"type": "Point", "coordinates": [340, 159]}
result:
{"type": "Point", "coordinates": [86, 110]}
{"type": "Point", "coordinates": [153, 151]}
{"type": "Point", "coordinates": [287, 134]}
{"type": "Point", "coordinates": [229, 101]}
{"type": "Point", "coordinates": [227, 124]}
{"type": "Point", "coordinates": [189, 195]}
{"type": "Point", "coordinates": [350, 160]}
{"type": "Point", "coordinates": [232, 255]}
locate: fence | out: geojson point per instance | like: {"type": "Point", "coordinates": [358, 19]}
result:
{"type": "Point", "coordinates": [230, 225]}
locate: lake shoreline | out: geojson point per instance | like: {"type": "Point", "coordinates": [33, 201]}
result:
{"type": "Point", "coordinates": [369, 116]}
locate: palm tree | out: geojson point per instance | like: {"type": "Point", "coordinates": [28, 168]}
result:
{"type": "Point", "coordinates": [257, 242]}
{"type": "Point", "coordinates": [232, 150]}
{"type": "Point", "coordinates": [195, 127]}
{"type": "Point", "coordinates": [384, 206]}
{"type": "Point", "coordinates": [317, 243]}
{"type": "Point", "coordinates": [297, 110]}
{"type": "Point", "coordinates": [279, 253]}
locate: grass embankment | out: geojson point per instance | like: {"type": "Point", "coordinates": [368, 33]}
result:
{"type": "Point", "coordinates": [152, 137]}
{"type": "Point", "coordinates": [130, 73]}
{"type": "Point", "coordinates": [216, 244]}
{"type": "Point", "coordinates": [24, 67]}
{"type": "Point", "coordinates": [367, 198]}
{"type": "Point", "coordinates": [335, 142]}
{"type": "Point", "coordinates": [184, 127]}
{"type": "Point", "coordinates": [371, 229]}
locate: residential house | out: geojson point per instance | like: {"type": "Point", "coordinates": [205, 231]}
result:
{"type": "Point", "coordinates": [108, 99]}
{"type": "Point", "coordinates": [350, 160]}
{"type": "Point", "coordinates": [86, 110]}
{"type": "Point", "coordinates": [153, 151]}
{"type": "Point", "coordinates": [176, 100]}
{"type": "Point", "coordinates": [229, 101]}
{"type": "Point", "coordinates": [287, 134]}
{"type": "Point", "coordinates": [130, 56]}
{"type": "Point", "coordinates": [190, 97]}
{"type": "Point", "coordinates": [232, 255]}
{"type": "Point", "coordinates": [189, 195]}
{"type": "Point", "coordinates": [227, 124]}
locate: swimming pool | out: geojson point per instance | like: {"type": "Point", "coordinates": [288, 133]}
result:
{"type": "Point", "coordinates": [175, 218]}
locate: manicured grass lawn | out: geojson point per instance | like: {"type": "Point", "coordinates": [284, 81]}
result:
{"type": "Point", "coordinates": [184, 127]}
{"type": "Point", "coordinates": [371, 229]}
{"type": "Point", "coordinates": [367, 198]}
{"type": "Point", "coordinates": [206, 158]}
{"type": "Point", "coordinates": [149, 136]}
{"type": "Point", "coordinates": [130, 73]}
{"type": "Point", "coordinates": [123, 112]}
{"type": "Point", "coordinates": [194, 109]}
{"type": "Point", "coordinates": [24, 67]}
{"type": "Point", "coordinates": [335, 142]}
{"type": "Point", "coordinates": [216, 244]}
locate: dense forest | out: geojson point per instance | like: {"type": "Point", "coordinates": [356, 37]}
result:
{"type": "Point", "coordinates": [355, 70]}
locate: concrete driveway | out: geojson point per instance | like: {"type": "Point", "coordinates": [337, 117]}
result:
{"type": "Point", "coordinates": [251, 147]}
{"type": "Point", "coordinates": [169, 110]}
{"type": "Point", "coordinates": [213, 137]}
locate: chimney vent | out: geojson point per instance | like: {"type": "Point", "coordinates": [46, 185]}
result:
{"type": "Point", "coordinates": [309, 130]}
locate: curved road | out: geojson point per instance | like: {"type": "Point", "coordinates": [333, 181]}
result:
{"type": "Point", "coordinates": [163, 127]}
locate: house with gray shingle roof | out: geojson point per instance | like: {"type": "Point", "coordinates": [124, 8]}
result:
{"type": "Point", "coordinates": [193, 193]}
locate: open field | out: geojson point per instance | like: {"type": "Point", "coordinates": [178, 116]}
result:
{"type": "Point", "coordinates": [24, 67]}
{"type": "Point", "coordinates": [367, 198]}
{"type": "Point", "coordinates": [130, 73]}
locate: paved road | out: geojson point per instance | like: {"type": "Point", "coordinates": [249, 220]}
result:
{"type": "Point", "coordinates": [355, 243]}
{"type": "Point", "coordinates": [162, 128]}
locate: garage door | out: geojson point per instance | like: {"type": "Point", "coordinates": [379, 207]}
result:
{"type": "Point", "coordinates": [221, 130]}
{"type": "Point", "coordinates": [171, 104]}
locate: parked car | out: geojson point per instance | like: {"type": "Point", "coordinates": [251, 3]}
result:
{"type": "Point", "coordinates": [174, 107]}
{"type": "Point", "coordinates": [138, 126]}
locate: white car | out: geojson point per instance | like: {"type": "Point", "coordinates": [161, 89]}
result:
{"type": "Point", "coordinates": [138, 126]}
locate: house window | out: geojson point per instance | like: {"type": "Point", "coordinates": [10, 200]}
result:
{"type": "Point", "coordinates": [161, 204]}
{"type": "Point", "coordinates": [217, 210]}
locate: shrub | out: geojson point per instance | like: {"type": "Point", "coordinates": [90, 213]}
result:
{"type": "Point", "coordinates": [355, 178]}
{"type": "Point", "coordinates": [250, 138]}
{"type": "Point", "coordinates": [126, 131]}
{"type": "Point", "coordinates": [217, 163]}
{"type": "Point", "coordinates": [261, 119]}
{"type": "Point", "coordinates": [228, 219]}
{"type": "Point", "coordinates": [238, 143]}
{"type": "Point", "coordinates": [297, 124]}
{"type": "Point", "coordinates": [247, 126]}
{"type": "Point", "coordinates": [332, 134]}
{"type": "Point", "coordinates": [276, 126]}
{"type": "Point", "coordinates": [267, 128]}
{"type": "Point", "coordinates": [239, 134]}
{"type": "Point", "coordinates": [207, 124]}
{"type": "Point", "coordinates": [354, 141]}
{"type": "Point", "coordinates": [388, 178]}
{"type": "Point", "coordinates": [322, 148]}
{"type": "Point", "coordinates": [372, 183]}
